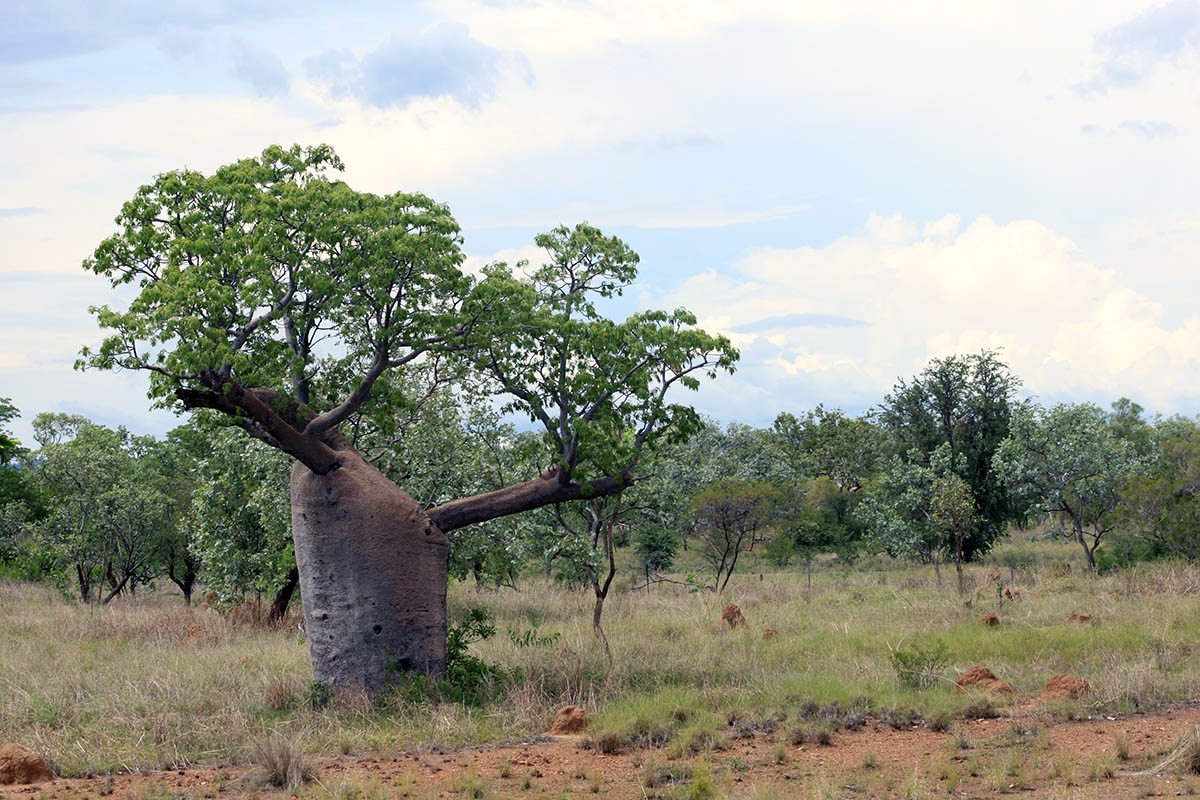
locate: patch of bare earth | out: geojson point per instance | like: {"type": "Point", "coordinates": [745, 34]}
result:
{"type": "Point", "coordinates": [874, 761]}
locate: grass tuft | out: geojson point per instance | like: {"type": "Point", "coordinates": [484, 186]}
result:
{"type": "Point", "coordinates": [280, 763]}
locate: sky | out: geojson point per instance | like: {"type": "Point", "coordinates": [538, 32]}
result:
{"type": "Point", "coordinates": [846, 190]}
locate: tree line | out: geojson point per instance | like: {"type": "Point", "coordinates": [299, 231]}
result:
{"type": "Point", "coordinates": [938, 472]}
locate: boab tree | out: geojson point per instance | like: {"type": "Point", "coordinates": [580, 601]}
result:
{"type": "Point", "coordinates": [278, 296]}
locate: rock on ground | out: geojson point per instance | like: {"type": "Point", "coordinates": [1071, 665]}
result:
{"type": "Point", "coordinates": [569, 719]}
{"type": "Point", "coordinates": [18, 765]}
{"type": "Point", "coordinates": [983, 678]}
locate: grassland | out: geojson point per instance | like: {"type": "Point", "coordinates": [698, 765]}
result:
{"type": "Point", "coordinates": [149, 684]}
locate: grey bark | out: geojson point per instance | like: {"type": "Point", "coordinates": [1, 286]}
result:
{"type": "Point", "coordinates": [372, 570]}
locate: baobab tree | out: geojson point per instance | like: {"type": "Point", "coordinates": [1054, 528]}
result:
{"type": "Point", "coordinates": [280, 297]}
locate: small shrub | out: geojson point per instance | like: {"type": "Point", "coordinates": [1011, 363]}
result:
{"type": "Point", "coordinates": [1100, 769]}
{"type": "Point", "coordinates": [899, 718]}
{"type": "Point", "coordinates": [610, 742]}
{"type": "Point", "coordinates": [919, 666]}
{"type": "Point", "coordinates": [981, 708]}
{"type": "Point", "coordinates": [469, 679]}
{"type": "Point", "coordinates": [656, 774]}
{"type": "Point", "coordinates": [701, 787]}
{"type": "Point", "coordinates": [319, 694]}
{"type": "Point", "coordinates": [940, 721]}
{"type": "Point", "coordinates": [1064, 770]}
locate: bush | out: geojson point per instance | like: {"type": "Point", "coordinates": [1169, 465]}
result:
{"type": "Point", "coordinates": [919, 666]}
{"type": "Point", "coordinates": [655, 547]}
{"type": "Point", "coordinates": [469, 679]}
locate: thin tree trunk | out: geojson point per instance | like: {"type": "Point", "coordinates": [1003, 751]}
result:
{"type": "Point", "coordinates": [598, 629]}
{"type": "Point", "coordinates": [601, 590]}
{"type": "Point", "coordinates": [283, 597]}
{"type": "Point", "coordinates": [729, 572]}
{"type": "Point", "coordinates": [85, 584]}
{"type": "Point", "coordinates": [1088, 552]}
{"type": "Point", "coordinates": [958, 565]}
{"type": "Point", "coordinates": [116, 590]}
{"type": "Point", "coordinates": [937, 571]}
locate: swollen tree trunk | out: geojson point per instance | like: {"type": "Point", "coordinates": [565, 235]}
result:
{"type": "Point", "coordinates": [373, 569]}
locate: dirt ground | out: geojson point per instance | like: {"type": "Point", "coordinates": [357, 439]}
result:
{"type": "Point", "coordinates": [1018, 756]}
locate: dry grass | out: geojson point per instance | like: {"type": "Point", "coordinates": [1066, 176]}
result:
{"type": "Point", "coordinates": [99, 690]}
{"type": "Point", "coordinates": [280, 763]}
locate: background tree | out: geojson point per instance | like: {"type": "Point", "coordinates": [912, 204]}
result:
{"type": "Point", "coordinates": [655, 548]}
{"type": "Point", "coordinates": [732, 517]}
{"type": "Point", "coordinates": [835, 456]}
{"type": "Point", "coordinates": [19, 500]}
{"type": "Point", "coordinates": [922, 511]}
{"type": "Point", "coordinates": [241, 523]}
{"type": "Point", "coordinates": [174, 466]}
{"type": "Point", "coordinates": [847, 450]}
{"type": "Point", "coordinates": [1128, 422]}
{"type": "Point", "coordinates": [1161, 508]}
{"type": "Point", "coordinates": [683, 467]}
{"type": "Point", "coordinates": [1069, 463]}
{"type": "Point", "coordinates": [102, 511]}
{"type": "Point", "coordinates": [287, 301]}
{"type": "Point", "coordinates": [965, 403]}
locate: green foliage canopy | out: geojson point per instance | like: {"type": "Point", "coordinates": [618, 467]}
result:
{"type": "Point", "coordinates": [1068, 462]}
{"type": "Point", "coordinates": [965, 403]}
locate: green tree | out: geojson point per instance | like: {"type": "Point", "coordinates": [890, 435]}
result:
{"type": "Point", "coordinates": [280, 297]}
{"type": "Point", "coordinates": [1069, 463]}
{"type": "Point", "coordinates": [1161, 507]}
{"type": "Point", "coordinates": [732, 517]}
{"type": "Point", "coordinates": [103, 512]}
{"type": "Point", "coordinates": [825, 522]}
{"type": "Point", "coordinates": [965, 403]}
{"type": "Point", "coordinates": [1128, 422]}
{"type": "Point", "coordinates": [19, 500]}
{"type": "Point", "coordinates": [836, 456]}
{"type": "Point", "coordinates": [173, 464]}
{"type": "Point", "coordinates": [241, 521]}
{"type": "Point", "coordinates": [923, 511]}
{"type": "Point", "coordinates": [847, 450]}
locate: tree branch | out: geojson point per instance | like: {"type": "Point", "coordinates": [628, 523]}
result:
{"type": "Point", "coordinates": [239, 402]}
{"type": "Point", "coordinates": [544, 490]}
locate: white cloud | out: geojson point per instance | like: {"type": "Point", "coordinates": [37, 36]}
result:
{"type": "Point", "coordinates": [1064, 324]}
{"type": "Point", "coordinates": [535, 255]}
